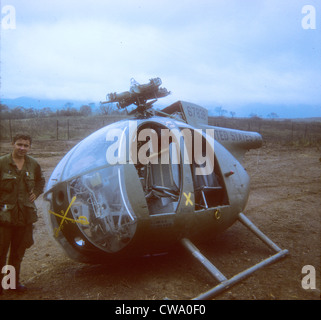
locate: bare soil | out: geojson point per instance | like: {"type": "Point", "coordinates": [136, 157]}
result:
{"type": "Point", "coordinates": [284, 203]}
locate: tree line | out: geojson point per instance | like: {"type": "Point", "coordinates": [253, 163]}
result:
{"type": "Point", "coordinates": [68, 110]}
{"type": "Point", "coordinates": [222, 112]}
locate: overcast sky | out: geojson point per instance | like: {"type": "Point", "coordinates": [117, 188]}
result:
{"type": "Point", "coordinates": [218, 52]}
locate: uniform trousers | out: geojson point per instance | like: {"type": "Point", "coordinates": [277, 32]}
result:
{"type": "Point", "coordinates": [14, 240]}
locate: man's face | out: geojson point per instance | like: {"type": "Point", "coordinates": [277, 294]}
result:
{"type": "Point", "coordinates": [21, 148]}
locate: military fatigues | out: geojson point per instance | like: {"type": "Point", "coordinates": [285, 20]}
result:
{"type": "Point", "coordinates": [17, 213]}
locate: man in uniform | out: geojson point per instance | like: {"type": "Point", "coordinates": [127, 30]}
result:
{"type": "Point", "coordinates": [21, 182]}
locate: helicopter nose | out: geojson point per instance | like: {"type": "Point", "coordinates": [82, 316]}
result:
{"type": "Point", "coordinates": [98, 207]}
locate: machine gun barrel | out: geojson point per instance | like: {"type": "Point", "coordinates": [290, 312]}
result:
{"type": "Point", "coordinates": [138, 94]}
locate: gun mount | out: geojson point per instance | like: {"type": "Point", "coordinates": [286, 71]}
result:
{"type": "Point", "coordinates": [139, 94]}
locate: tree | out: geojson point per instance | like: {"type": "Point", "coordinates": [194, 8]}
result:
{"type": "Point", "coordinates": [18, 113]}
{"type": "Point", "coordinates": [68, 110]}
{"type": "Point", "coordinates": [45, 112]}
{"type": "Point", "coordinates": [106, 109]}
{"type": "Point", "coordinates": [3, 108]}
{"type": "Point", "coordinates": [68, 105]}
{"type": "Point", "coordinates": [220, 111]}
{"type": "Point", "coordinates": [4, 111]}
{"type": "Point", "coordinates": [273, 115]}
{"type": "Point", "coordinates": [30, 113]}
{"type": "Point", "coordinates": [85, 110]}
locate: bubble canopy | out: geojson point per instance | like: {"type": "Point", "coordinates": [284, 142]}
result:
{"type": "Point", "coordinates": [96, 194]}
{"type": "Point", "coordinates": [87, 155]}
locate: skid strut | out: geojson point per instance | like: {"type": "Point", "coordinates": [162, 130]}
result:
{"type": "Point", "coordinates": [227, 283]}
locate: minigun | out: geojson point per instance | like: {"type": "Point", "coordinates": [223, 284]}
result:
{"type": "Point", "coordinates": [139, 94]}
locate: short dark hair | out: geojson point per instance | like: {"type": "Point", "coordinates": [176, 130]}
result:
{"type": "Point", "coordinates": [21, 136]}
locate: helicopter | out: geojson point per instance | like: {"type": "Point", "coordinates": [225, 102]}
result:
{"type": "Point", "coordinates": [153, 180]}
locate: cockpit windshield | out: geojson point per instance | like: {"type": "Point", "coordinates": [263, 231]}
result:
{"type": "Point", "coordinates": [101, 200]}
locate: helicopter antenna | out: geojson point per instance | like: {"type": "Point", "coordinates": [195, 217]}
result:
{"type": "Point", "coordinates": [139, 94]}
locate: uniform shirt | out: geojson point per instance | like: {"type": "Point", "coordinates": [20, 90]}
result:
{"type": "Point", "coordinates": [15, 188]}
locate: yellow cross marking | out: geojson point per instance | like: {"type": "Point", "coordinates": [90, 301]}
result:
{"type": "Point", "coordinates": [82, 219]}
{"type": "Point", "coordinates": [188, 199]}
{"type": "Point", "coordinates": [217, 214]}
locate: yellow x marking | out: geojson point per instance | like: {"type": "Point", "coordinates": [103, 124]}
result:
{"type": "Point", "coordinates": [188, 199]}
{"type": "Point", "coordinates": [82, 219]}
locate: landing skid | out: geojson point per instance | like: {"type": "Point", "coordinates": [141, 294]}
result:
{"type": "Point", "coordinates": [218, 275]}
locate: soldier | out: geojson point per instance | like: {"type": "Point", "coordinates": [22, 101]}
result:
{"type": "Point", "coordinates": [21, 182]}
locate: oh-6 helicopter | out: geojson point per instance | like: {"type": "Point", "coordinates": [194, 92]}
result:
{"type": "Point", "coordinates": [160, 177]}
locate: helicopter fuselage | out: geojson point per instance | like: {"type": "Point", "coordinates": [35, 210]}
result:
{"type": "Point", "coordinates": [113, 195]}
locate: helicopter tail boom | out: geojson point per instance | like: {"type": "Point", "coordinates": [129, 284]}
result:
{"type": "Point", "coordinates": [235, 141]}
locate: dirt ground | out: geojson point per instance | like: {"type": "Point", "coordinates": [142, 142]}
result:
{"type": "Point", "coordinates": [284, 203]}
